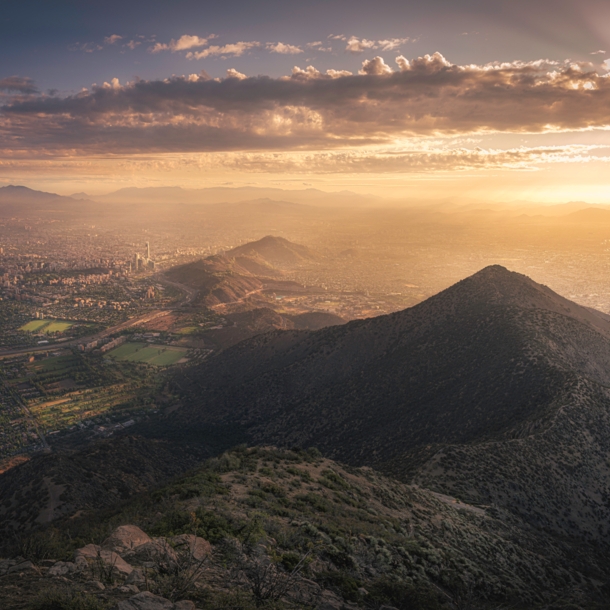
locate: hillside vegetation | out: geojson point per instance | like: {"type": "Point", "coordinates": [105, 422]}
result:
{"type": "Point", "coordinates": [290, 529]}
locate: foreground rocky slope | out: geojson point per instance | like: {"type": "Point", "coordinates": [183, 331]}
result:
{"type": "Point", "coordinates": [287, 529]}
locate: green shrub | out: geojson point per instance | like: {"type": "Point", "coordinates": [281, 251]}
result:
{"type": "Point", "coordinates": [172, 523]}
{"type": "Point", "coordinates": [401, 595]}
{"type": "Point", "coordinates": [341, 582]}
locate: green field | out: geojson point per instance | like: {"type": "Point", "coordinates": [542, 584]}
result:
{"type": "Point", "coordinates": [187, 330]}
{"type": "Point", "coordinates": [158, 355]}
{"type": "Point", "coordinates": [34, 325]}
{"type": "Point", "coordinates": [46, 326]}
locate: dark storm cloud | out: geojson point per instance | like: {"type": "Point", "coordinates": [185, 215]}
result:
{"type": "Point", "coordinates": [425, 96]}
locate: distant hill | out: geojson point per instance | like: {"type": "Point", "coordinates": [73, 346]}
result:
{"type": "Point", "coordinates": [589, 215]}
{"type": "Point", "coordinates": [22, 194]}
{"type": "Point", "coordinates": [174, 194]}
{"type": "Point", "coordinates": [496, 365]}
{"type": "Point", "coordinates": [216, 280]}
{"type": "Point", "coordinates": [274, 251]}
{"type": "Point", "coordinates": [237, 273]}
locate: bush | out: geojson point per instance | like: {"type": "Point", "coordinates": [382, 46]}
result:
{"type": "Point", "coordinates": [401, 595]}
{"type": "Point", "coordinates": [346, 585]}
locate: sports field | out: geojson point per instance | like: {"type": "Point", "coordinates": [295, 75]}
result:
{"type": "Point", "coordinates": [57, 327]}
{"type": "Point", "coordinates": [158, 355]}
{"type": "Point", "coordinates": [187, 330]}
{"type": "Point", "coordinates": [46, 326]}
{"type": "Point", "coordinates": [34, 325]}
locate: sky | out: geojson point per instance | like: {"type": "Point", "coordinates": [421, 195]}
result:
{"type": "Point", "coordinates": [496, 99]}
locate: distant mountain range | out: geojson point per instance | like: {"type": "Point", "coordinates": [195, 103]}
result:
{"type": "Point", "coordinates": [176, 194]}
{"type": "Point", "coordinates": [20, 194]}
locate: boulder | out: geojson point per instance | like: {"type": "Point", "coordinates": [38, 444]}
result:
{"type": "Point", "coordinates": [156, 551]}
{"type": "Point", "coordinates": [185, 605]}
{"type": "Point", "coordinates": [24, 566]}
{"type": "Point", "coordinates": [128, 589]}
{"type": "Point", "coordinates": [62, 568]}
{"type": "Point", "coordinates": [125, 538]}
{"type": "Point", "coordinates": [92, 553]}
{"type": "Point", "coordinates": [146, 601]}
{"type": "Point", "coordinates": [136, 578]}
{"type": "Point", "coordinates": [199, 548]}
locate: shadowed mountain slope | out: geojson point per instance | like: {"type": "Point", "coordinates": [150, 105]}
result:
{"type": "Point", "coordinates": [217, 279]}
{"type": "Point", "coordinates": [485, 365]}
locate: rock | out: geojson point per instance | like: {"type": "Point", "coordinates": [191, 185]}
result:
{"type": "Point", "coordinates": [145, 601]}
{"type": "Point", "coordinates": [136, 578]}
{"type": "Point", "coordinates": [24, 566]}
{"type": "Point", "coordinates": [93, 553]}
{"type": "Point", "coordinates": [97, 584]}
{"type": "Point", "coordinates": [125, 538]}
{"type": "Point", "coordinates": [157, 550]}
{"type": "Point", "coordinates": [198, 547]}
{"type": "Point", "coordinates": [62, 568]}
{"type": "Point", "coordinates": [90, 551]}
{"type": "Point", "coordinates": [185, 605]}
{"type": "Point", "coordinates": [129, 589]}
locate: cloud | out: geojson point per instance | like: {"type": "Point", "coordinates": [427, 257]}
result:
{"type": "Point", "coordinates": [600, 52]}
{"type": "Point", "coordinates": [375, 66]}
{"type": "Point", "coordinates": [132, 44]}
{"type": "Point", "coordinates": [112, 39]}
{"type": "Point", "coordinates": [355, 45]}
{"type": "Point", "coordinates": [403, 161]}
{"type": "Point", "coordinates": [312, 73]}
{"type": "Point", "coordinates": [309, 109]}
{"type": "Point", "coordinates": [184, 43]}
{"type": "Point", "coordinates": [318, 45]}
{"type": "Point", "coordinates": [283, 49]}
{"type": "Point", "coordinates": [18, 84]}
{"type": "Point", "coordinates": [606, 65]}
{"type": "Point", "coordinates": [85, 47]}
{"type": "Point", "coordinates": [232, 73]}
{"type": "Point", "coordinates": [392, 44]}
{"type": "Point", "coordinates": [236, 49]}
{"type": "Point", "coordinates": [419, 159]}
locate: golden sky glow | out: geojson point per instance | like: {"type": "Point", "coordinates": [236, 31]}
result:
{"type": "Point", "coordinates": [343, 111]}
